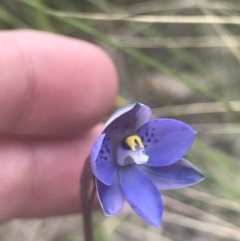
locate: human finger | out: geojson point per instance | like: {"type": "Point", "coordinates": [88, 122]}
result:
{"type": "Point", "coordinates": [52, 85]}
{"type": "Point", "coordinates": [41, 177]}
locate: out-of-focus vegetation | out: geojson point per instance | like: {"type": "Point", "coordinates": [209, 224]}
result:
{"type": "Point", "coordinates": [183, 59]}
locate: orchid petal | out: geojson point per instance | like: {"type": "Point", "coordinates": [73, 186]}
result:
{"type": "Point", "coordinates": [102, 164]}
{"type": "Point", "coordinates": [141, 194]}
{"type": "Point", "coordinates": [110, 197]}
{"type": "Point", "coordinates": [166, 140]}
{"type": "Point", "coordinates": [127, 121]}
{"type": "Point", "coordinates": [180, 174]}
{"type": "Point", "coordinates": [118, 113]}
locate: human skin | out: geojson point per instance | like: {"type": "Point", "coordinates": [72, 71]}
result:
{"type": "Point", "coordinates": [54, 92]}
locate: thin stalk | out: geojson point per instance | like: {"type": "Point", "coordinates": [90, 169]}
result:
{"type": "Point", "coordinates": [87, 194]}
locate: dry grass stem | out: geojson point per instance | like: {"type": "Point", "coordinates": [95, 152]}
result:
{"type": "Point", "coordinates": [194, 212]}
{"type": "Point", "coordinates": [210, 228]}
{"type": "Point", "coordinates": [224, 34]}
{"type": "Point", "coordinates": [218, 128]}
{"type": "Point", "coordinates": [211, 19]}
{"type": "Point", "coordinates": [196, 108]}
{"type": "Point", "coordinates": [211, 199]}
{"type": "Point", "coordinates": [177, 42]}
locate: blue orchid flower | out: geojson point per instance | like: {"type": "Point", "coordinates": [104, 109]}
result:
{"type": "Point", "coordinates": [135, 156]}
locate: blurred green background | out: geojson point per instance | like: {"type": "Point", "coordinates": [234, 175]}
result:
{"type": "Point", "coordinates": [181, 57]}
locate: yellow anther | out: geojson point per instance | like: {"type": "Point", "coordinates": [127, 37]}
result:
{"type": "Point", "coordinates": [132, 141]}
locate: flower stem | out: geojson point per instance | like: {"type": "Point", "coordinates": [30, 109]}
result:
{"type": "Point", "coordinates": [87, 194]}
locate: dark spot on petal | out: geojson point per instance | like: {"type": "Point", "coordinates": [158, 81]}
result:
{"type": "Point", "coordinates": [102, 151]}
{"type": "Point", "coordinates": [108, 151]}
{"type": "Point", "coordinates": [155, 141]}
{"type": "Point", "coordinates": [153, 129]}
{"type": "Point", "coordinates": [142, 138]}
{"type": "Point", "coordinates": [146, 134]}
{"type": "Point", "coordinates": [126, 125]}
{"type": "Point", "coordinates": [148, 140]}
{"type": "Point", "coordinates": [105, 158]}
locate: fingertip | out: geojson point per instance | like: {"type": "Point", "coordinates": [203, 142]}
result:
{"type": "Point", "coordinates": [69, 84]}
